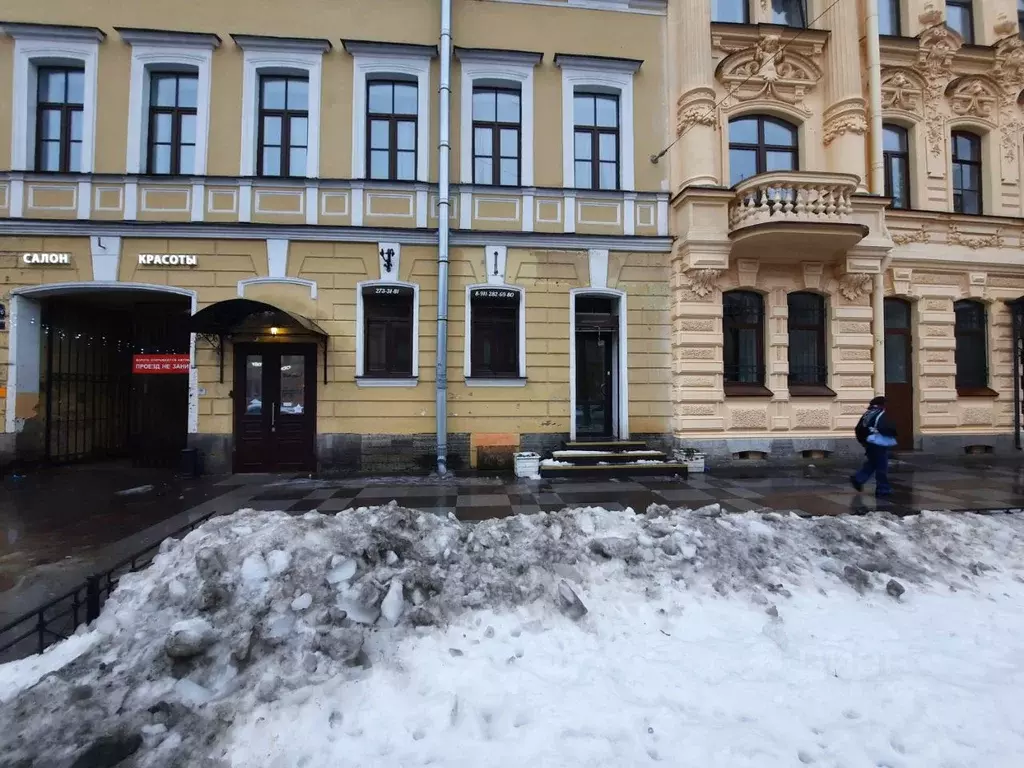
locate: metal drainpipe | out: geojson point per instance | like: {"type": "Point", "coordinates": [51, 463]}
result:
{"type": "Point", "coordinates": [443, 213]}
{"type": "Point", "coordinates": [876, 185]}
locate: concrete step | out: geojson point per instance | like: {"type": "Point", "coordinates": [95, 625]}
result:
{"type": "Point", "coordinates": [591, 457]}
{"type": "Point", "coordinates": [618, 469]}
{"type": "Point", "coordinates": [605, 445]}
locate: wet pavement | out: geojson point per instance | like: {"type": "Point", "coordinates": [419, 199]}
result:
{"type": "Point", "coordinates": [58, 526]}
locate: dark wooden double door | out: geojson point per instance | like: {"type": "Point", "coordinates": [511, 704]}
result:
{"type": "Point", "coordinates": [275, 407]}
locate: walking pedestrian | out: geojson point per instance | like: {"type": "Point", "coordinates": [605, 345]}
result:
{"type": "Point", "coordinates": [876, 432]}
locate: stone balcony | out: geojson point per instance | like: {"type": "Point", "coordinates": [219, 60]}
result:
{"type": "Point", "coordinates": [794, 216]}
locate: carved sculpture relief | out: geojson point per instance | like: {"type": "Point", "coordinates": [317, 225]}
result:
{"type": "Point", "coordinates": [836, 126]}
{"type": "Point", "coordinates": [768, 70]}
{"type": "Point", "coordinates": [1008, 73]}
{"type": "Point", "coordinates": [697, 107]}
{"type": "Point", "coordinates": [902, 89]}
{"type": "Point", "coordinates": [703, 282]}
{"type": "Point", "coordinates": [854, 285]}
{"type": "Point", "coordinates": [955, 237]}
{"type": "Point", "coordinates": [973, 97]}
{"type": "Point", "coordinates": [913, 236]}
{"type": "Point", "coordinates": [937, 46]}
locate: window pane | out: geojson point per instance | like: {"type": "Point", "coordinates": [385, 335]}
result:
{"type": "Point", "coordinates": [607, 146]}
{"type": "Point", "coordinates": [163, 91]}
{"type": "Point", "coordinates": [298, 94]}
{"type": "Point", "coordinates": [49, 156]}
{"type": "Point", "coordinates": [51, 86]}
{"type": "Point", "coordinates": [380, 98]}
{"type": "Point", "coordinates": [162, 158]}
{"type": "Point", "coordinates": [75, 157]}
{"type": "Point", "coordinates": [896, 368]}
{"type": "Point", "coordinates": [76, 125]}
{"type": "Point", "coordinates": [293, 384]}
{"type": "Point", "coordinates": [406, 135]}
{"type": "Point", "coordinates": [788, 12]}
{"type": "Point", "coordinates": [298, 131]}
{"type": "Point", "coordinates": [297, 162]}
{"type": "Point", "coordinates": [508, 107]}
{"type": "Point", "coordinates": [188, 91]}
{"type": "Point", "coordinates": [273, 93]}
{"type": "Point", "coordinates": [49, 124]}
{"type": "Point", "coordinates": [779, 135]}
{"type": "Point", "coordinates": [584, 145]}
{"type": "Point", "coordinates": [972, 178]}
{"type": "Point", "coordinates": [583, 110]}
{"type": "Point", "coordinates": [958, 177]}
{"type": "Point", "coordinates": [746, 356]}
{"type": "Point", "coordinates": [483, 168]}
{"type": "Point", "coordinates": [162, 128]}
{"type": "Point", "coordinates": [609, 176]}
{"type": "Point", "coordinates": [894, 139]}
{"type": "Point", "coordinates": [76, 87]}
{"type": "Point", "coordinates": [958, 18]}
{"type": "Point", "coordinates": [254, 384]}
{"type": "Point", "coordinates": [971, 203]}
{"type": "Point", "coordinates": [889, 17]}
{"type": "Point", "coordinates": [379, 164]}
{"type": "Point", "coordinates": [187, 163]}
{"type": "Point", "coordinates": [779, 161]}
{"type": "Point", "coordinates": [272, 161]}
{"type": "Point", "coordinates": [742, 165]}
{"type": "Point", "coordinates": [743, 131]}
{"type": "Point", "coordinates": [510, 172]}
{"type": "Point", "coordinates": [900, 193]}
{"type": "Point", "coordinates": [406, 166]}
{"type": "Point", "coordinates": [376, 347]}
{"type": "Point", "coordinates": [734, 11]}
{"type": "Point", "coordinates": [896, 315]}
{"type": "Point", "coordinates": [484, 105]}
{"type": "Point", "coordinates": [482, 141]}
{"type": "Point", "coordinates": [379, 134]}
{"type": "Point", "coordinates": [584, 175]}
{"type": "Point", "coordinates": [509, 142]}
{"type": "Point", "coordinates": [967, 147]}
{"type": "Point", "coordinates": [607, 112]}
{"type": "Point", "coordinates": [271, 131]}
{"type": "Point", "coordinates": [188, 129]}
{"type": "Point", "coordinates": [405, 99]}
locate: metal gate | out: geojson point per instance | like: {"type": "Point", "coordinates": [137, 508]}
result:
{"type": "Point", "coordinates": [94, 408]}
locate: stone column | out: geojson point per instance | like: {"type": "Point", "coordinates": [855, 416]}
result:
{"type": "Point", "coordinates": [695, 157]}
{"type": "Point", "coordinates": [844, 123]}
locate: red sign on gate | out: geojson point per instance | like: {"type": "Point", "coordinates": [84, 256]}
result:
{"type": "Point", "coordinates": [160, 364]}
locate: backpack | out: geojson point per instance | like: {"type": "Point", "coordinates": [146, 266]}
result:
{"type": "Point", "coordinates": [866, 424]}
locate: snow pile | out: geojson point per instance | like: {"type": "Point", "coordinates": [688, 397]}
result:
{"type": "Point", "coordinates": [387, 636]}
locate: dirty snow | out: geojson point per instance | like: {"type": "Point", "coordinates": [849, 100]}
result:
{"type": "Point", "coordinates": [386, 637]}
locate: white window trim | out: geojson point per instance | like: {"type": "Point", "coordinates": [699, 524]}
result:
{"type": "Point", "coordinates": [410, 381]}
{"type": "Point", "coordinates": [484, 381]}
{"type": "Point", "coordinates": [31, 50]}
{"type": "Point", "coordinates": [608, 76]}
{"type": "Point", "coordinates": [620, 411]}
{"type": "Point", "coordinates": [147, 59]}
{"type": "Point", "coordinates": [495, 67]}
{"type": "Point", "coordinates": [366, 66]}
{"type": "Point", "coordinates": [258, 61]}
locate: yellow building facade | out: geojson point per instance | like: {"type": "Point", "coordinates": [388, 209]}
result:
{"type": "Point", "coordinates": [719, 225]}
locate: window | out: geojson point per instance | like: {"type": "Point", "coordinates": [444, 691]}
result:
{"type": "Point", "coordinates": [494, 332]}
{"type": "Point", "coordinates": [960, 18]}
{"type": "Point", "coordinates": [966, 172]}
{"type": "Point", "coordinates": [1020, 17]}
{"type": "Point", "coordinates": [760, 144]}
{"type": "Point", "coordinates": [596, 140]}
{"type": "Point", "coordinates": [388, 331]}
{"type": "Point", "coordinates": [283, 131]}
{"type": "Point", "coordinates": [792, 13]}
{"type": "Point", "coordinates": [497, 120]}
{"type": "Point", "coordinates": [734, 11]}
{"type": "Point", "coordinates": [971, 347]}
{"type": "Point", "coordinates": [60, 105]}
{"type": "Point", "coordinates": [889, 17]}
{"type": "Point", "coordinates": [743, 325]}
{"type": "Point", "coordinates": [172, 122]}
{"type": "Point", "coordinates": [808, 364]}
{"type": "Point", "coordinates": [391, 127]}
{"type": "Point", "coordinates": [896, 153]}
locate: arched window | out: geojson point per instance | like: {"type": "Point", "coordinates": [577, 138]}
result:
{"type": "Point", "coordinates": [808, 363]}
{"type": "Point", "coordinates": [497, 134]}
{"type": "Point", "coordinates": [391, 117]}
{"type": "Point", "coordinates": [896, 151]}
{"type": "Point", "coordinates": [759, 144]}
{"type": "Point", "coordinates": [971, 347]}
{"type": "Point", "coordinates": [743, 329]}
{"type": "Point", "coordinates": [967, 170]}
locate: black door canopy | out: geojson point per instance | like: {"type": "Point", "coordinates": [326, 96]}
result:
{"type": "Point", "coordinates": [228, 317]}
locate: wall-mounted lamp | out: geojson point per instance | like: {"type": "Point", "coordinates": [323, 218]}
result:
{"type": "Point", "coordinates": [274, 330]}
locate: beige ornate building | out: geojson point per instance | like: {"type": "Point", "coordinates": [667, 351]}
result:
{"type": "Point", "coordinates": [847, 209]}
{"type": "Point", "coordinates": [304, 236]}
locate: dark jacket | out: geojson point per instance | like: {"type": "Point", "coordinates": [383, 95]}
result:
{"type": "Point", "coordinates": [877, 418]}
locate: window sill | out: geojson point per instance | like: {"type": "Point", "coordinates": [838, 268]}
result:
{"type": "Point", "coordinates": [747, 390]}
{"type": "Point", "coordinates": [485, 381]}
{"type": "Point", "coordinates": [976, 392]}
{"type": "Point", "coordinates": [369, 381]}
{"type": "Point", "coordinates": [810, 390]}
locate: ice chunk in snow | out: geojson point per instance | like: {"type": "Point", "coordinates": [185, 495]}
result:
{"type": "Point", "coordinates": [302, 602]}
{"type": "Point", "coordinates": [391, 608]}
{"type": "Point", "coordinates": [570, 602]}
{"type": "Point", "coordinates": [188, 638]}
{"type": "Point", "coordinates": [341, 571]}
{"type": "Point", "coordinates": [279, 561]}
{"type": "Point", "coordinates": [191, 692]}
{"type": "Point", "coordinates": [254, 570]}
